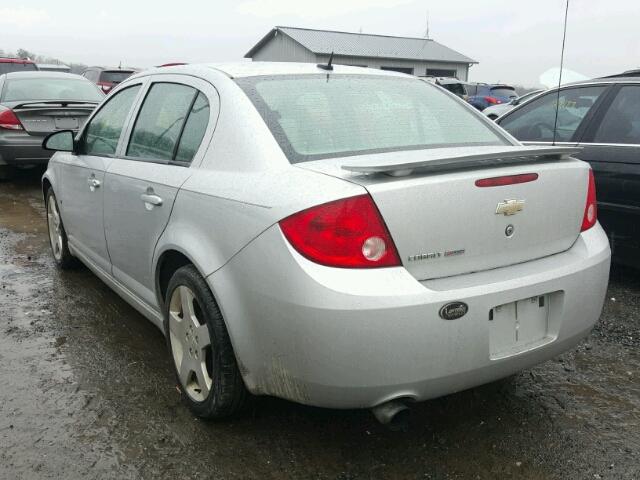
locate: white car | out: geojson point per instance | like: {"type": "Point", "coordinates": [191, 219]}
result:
{"type": "Point", "coordinates": [340, 237]}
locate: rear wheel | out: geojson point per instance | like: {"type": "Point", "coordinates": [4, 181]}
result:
{"type": "Point", "coordinates": [202, 354]}
{"type": "Point", "coordinates": [57, 234]}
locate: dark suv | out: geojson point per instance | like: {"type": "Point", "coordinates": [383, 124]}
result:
{"type": "Point", "coordinates": [10, 64]}
{"type": "Point", "coordinates": [483, 95]}
{"type": "Point", "coordinates": [603, 117]}
{"type": "Point", "coordinates": [107, 78]}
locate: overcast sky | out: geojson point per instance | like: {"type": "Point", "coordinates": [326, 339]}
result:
{"type": "Point", "coordinates": [514, 41]}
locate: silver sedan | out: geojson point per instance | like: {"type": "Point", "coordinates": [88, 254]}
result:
{"type": "Point", "coordinates": [341, 237]}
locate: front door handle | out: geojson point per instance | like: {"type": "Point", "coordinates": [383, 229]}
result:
{"type": "Point", "coordinates": [93, 183]}
{"type": "Point", "coordinates": [151, 199]}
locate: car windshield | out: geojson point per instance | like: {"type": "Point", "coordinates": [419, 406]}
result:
{"type": "Point", "coordinates": [503, 92]}
{"type": "Point", "coordinates": [318, 116]}
{"type": "Point", "coordinates": [110, 76]}
{"type": "Point", "coordinates": [50, 88]}
{"type": "Point", "coordinates": [8, 67]}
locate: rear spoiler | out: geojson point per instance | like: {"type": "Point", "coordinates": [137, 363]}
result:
{"type": "Point", "coordinates": [441, 159]}
{"type": "Point", "coordinates": [64, 103]}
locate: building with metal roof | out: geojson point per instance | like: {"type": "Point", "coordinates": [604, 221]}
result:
{"type": "Point", "coordinates": [417, 56]}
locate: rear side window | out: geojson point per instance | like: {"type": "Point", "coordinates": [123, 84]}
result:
{"type": "Point", "coordinates": [8, 67]}
{"type": "Point", "coordinates": [193, 130]}
{"type": "Point", "coordinates": [314, 116]}
{"type": "Point", "coordinates": [103, 131]}
{"type": "Point", "coordinates": [160, 122]}
{"type": "Point", "coordinates": [621, 123]}
{"type": "Point", "coordinates": [534, 121]}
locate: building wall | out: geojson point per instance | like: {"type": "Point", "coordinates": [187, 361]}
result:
{"type": "Point", "coordinates": [282, 48]}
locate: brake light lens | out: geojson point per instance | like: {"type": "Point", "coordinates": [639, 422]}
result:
{"type": "Point", "coordinates": [506, 180]}
{"type": "Point", "coordinates": [347, 233]}
{"type": "Point", "coordinates": [8, 119]}
{"type": "Point", "coordinates": [492, 100]}
{"type": "Point", "coordinates": [591, 209]}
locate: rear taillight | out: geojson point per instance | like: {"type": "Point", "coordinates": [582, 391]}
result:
{"type": "Point", "coordinates": [591, 209]}
{"type": "Point", "coordinates": [8, 119]}
{"type": "Point", "coordinates": [492, 100]}
{"type": "Point", "coordinates": [347, 233]}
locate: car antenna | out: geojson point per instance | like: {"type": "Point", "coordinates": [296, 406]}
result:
{"type": "Point", "coordinates": [328, 66]}
{"type": "Point", "coordinates": [564, 37]}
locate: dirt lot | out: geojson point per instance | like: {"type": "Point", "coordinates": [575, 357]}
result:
{"type": "Point", "coordinates": [87, 392]}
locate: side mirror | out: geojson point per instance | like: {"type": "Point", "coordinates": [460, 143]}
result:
{"type": "Point", "coordinates": [62, 141]}
{"type": "Point", "coordinates": [514, 101]}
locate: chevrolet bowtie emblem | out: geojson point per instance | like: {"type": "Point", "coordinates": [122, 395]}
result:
{"type": "Point", "coordinates": [509, 207]}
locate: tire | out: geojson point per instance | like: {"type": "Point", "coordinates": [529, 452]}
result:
{"type": "Point", "coordinates": [203, 358]}
{"type": "Point", "coordinates": [57, 235]}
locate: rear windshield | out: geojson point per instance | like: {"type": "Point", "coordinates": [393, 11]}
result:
{"type": "Point", "coordinates": [109, 76]}
{"type": "Point", "coordinates": [47, 88]}
{"type": "Point", "coordinates": [318, 116]}
{"type": "Point", "coordinates": [503, 92]}
{"type": "Point", "coordinates": [8, 67]}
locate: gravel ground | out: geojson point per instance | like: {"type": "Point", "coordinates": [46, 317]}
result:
{"type": "Point", "coordinates": [87, 392]}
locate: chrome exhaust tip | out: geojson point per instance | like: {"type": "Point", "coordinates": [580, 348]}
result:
{"type": "Point", "coordinates": [393, 414]}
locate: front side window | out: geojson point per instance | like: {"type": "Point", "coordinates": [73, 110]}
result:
{"type": "Point", "coordinates": [103, 131]}
{"type": "Point", "coordinates": [159, 124]}
{"type": "Point", "coordinates": [621, 123]}
{"type": "Point", "coordinates": [534, 122]}
{"type": "Point", "coordinates": [314, 116]}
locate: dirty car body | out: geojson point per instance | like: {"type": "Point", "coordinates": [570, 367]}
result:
{"type": "Point", "coordinates": [368, 237]}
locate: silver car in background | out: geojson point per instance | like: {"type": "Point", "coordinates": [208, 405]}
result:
{"type": "Point", "coordinates": [34, 104]}
{"type": "Point", "coordinates": [347, 238]}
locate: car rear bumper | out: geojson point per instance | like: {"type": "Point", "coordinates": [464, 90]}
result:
{"type": "Point", "coordinates": [356, 338]}
{"type": "Point", "coordinates": [20, 148]}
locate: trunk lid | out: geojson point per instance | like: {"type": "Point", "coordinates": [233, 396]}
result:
{"type": "Point", "coordinates": [46, 117]}
{"type": "Point", "coordinates": [444, 225]}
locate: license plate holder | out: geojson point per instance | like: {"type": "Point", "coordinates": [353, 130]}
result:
{"type": "Point", "coordinates": [66, 123]}
{"type": "Point", "coordinates": [518, 326]}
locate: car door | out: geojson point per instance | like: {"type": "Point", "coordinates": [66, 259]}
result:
{"type": "Point", "coordinates": [143, 181]}
{"type": "Point", "coordinates": [612, 146]}
{"type": "Point", "coordinates": [81, 195]}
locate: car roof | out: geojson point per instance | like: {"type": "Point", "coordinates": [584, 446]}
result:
{"type": "Point", "coordinates": [41, 74]}
{"type": "Point", "coordinates": [253, 69]}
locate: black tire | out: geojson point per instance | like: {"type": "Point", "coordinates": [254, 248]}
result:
{"type": "Point", "coordinates": [227, 395]}
{"type": "Point", "coordinates": [63, 257]}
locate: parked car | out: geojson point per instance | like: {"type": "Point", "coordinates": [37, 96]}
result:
{"type": "Point", "coordinates": [482, 96]}
{"type": "Point", "coordinates": [296, 233]}
{"type": "Point", "coordinates": [454, 85]}
{"type": "Point", "coordinates": [603, 118]}
{"type": "Point", "coordinates": [11, 64]}
{"type": "Point", "coordinates": [495, 111]}
{"type": "Point", "coordinates": [107, 78]}
{"type": "Point", "coordinates": [34, 104]}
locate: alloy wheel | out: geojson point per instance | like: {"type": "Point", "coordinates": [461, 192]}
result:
{"type": "Point", "coordinates": [55, 228]}
{"type": "Point", "coordinates": [190, 344]}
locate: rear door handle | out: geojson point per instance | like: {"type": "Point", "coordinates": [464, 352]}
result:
{"type": "Point", "coordinates": [152, 199]}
